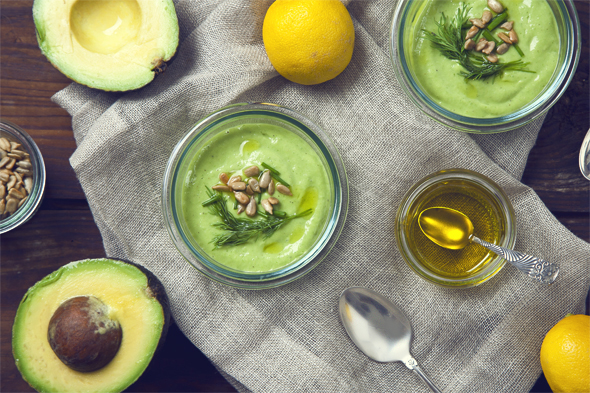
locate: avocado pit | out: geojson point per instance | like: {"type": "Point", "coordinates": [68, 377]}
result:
{"type": "Point", "coordinates": [82, 335]}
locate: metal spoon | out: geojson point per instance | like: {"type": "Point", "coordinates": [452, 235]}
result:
{"type": "Point", "coordinates": [452, 229]}
{"type": "Point", "coordinates": [379, 328]}
{"type": "Point", "coordinates": [584, 158]}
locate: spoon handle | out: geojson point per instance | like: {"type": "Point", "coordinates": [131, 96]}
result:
{"type": "Point", "coordinates": [412, 364]}
{"type": "Point", "coordinates": [536, 268]}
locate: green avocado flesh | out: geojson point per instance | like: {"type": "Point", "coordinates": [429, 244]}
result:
{"type": "Point", "coordinates": [240, 147]}
{"type": "Point", "coordinates": [114, 45]}
{"type": "Point", "coordinates": [440, 78]}
{"type": "Point", "coordinates": [131, 298]}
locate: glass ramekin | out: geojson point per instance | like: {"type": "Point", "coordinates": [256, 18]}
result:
{"type": "Point", "coordinates": [568, 26]}
{"type": "Point", "coordinates": [216, 123]}
{"type": "Point", "coordinates": [423, 191]}
{"type": "Point", "coordinates": [31, 205]}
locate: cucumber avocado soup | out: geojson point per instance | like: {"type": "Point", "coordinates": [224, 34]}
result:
{"type": "Point", "coordinates": [231, 152]}
{"type": "Point", "coordinates": [439, 77]}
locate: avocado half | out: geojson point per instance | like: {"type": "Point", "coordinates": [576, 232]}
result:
{"type": "Point", "coordinates": [114, 45]}
{"type": "Point", "coordinates": [134, 297]}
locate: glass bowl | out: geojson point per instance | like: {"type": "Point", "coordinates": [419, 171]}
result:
{"type": "Point", "coordinates": [181, 168]}
{"type": "Point", "coordinates": [402, 39]}
{"type": "Point", "coordinates": [32, 202]}
{"type": "Point", "coordinates": [477, 196]}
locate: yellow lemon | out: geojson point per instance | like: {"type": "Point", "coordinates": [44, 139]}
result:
{"type": "Point", "coordinates": [308, 41]}
{"type": "Point", "coordinates": [565, 355]}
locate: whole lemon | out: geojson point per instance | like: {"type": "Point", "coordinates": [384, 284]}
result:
{"type": "Point", "coordinates": [565, 355]}
{"type": "Point", "coordinates": [308, 41]}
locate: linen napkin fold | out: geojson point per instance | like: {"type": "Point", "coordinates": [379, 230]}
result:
{"type": "Point", "coordinates": [290, 338]}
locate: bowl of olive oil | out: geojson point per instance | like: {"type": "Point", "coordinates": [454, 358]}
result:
{"type": "Point", "coordinates": [474, 195]}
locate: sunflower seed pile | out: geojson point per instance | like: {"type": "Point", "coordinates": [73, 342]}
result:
{"type": "Point", "coordinates": [16, 177]}
{"type": "Point", "coordinates": [244, 190]}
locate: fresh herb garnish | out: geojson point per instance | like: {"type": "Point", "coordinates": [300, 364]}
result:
{"type": "Point", "coordinates": [241, 230]}
{"type": "Point", "coordinates": [449, 40]}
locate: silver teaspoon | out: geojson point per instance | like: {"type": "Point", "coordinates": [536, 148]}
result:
{"type": "Point", "coordinates": [379, 328]}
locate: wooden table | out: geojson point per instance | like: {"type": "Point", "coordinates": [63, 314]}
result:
{"type": "Point", "coordinates": [63, 230]}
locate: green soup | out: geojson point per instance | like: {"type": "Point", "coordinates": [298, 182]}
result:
{"type": "Point", "coordinates": [238, 148]}
{"type": "Point", "coordinates": [440, 78]}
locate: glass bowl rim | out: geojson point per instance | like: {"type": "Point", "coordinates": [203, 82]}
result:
{"type": "Point", "coordinates": [493, 189]}
{"type": "Point", "coordinates": [31, 205]}
{"type": "Point", "coordinates": [533, 110]}
{"type": "Point", "coordinates": [335, 167]}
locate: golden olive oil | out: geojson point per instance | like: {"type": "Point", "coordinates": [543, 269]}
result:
{"type": "Point", "coordinates": [471, 200]}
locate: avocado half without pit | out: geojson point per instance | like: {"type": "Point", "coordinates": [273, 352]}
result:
{"type": "Point", "coordinates": [91, 326]}
{"type": "Point", "coordinates": [114, 45]}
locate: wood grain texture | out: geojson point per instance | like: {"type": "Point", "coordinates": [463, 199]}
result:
{"type": "Point", "coordinates": [63, 230]}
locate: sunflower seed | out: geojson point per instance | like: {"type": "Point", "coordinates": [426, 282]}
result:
{"type": "Point", "coordinates": [15, 145]}
{"type": "Point", "coordinates": [24, 164]}
{"type": "Point", "coordinates": [253, 183]}
{"type": "Point", "coordinates": [4, 161]}
{"type": "Point", "coordinates": [507, 25]}
{"type": "Point", "coordinates": [238, 186]}
{"type": "Point", "coordinates": [2, 207]}
{"type": "Point", "coordinates": [273, 200]}
{"type": "Point", "coordinates": [477, 22]}
{"type": "Point", "coordinates": [241, 197]}
{"type": "Point", "coordinates": [471, 32]}
{"type": "Point", "coordinates": [251, 208]}
{"type": "Point", "coordinates": [271, 187]}
{"type": "Point", "coordinates": [2, 192]}
{"type": "Point", "coordinates": [486, 16]}
{"type": "Point", "coordinates": [28, 184]}
{"type": "Point", "coordinates": [5, 145]}
{"type": "Point", "coordinates": [481, 44]}
{"type": "Point", "coordinates": [502, 48]}
{"type": "Point", "coordinates": [469, 44]}
{"type": "Point", "coordinates": [513, 37]}
{"type": "Point", "coordinates": [249, 190]}
{"type": "Point", "coordinates": [492, 58]}
{"type": "Point", "coordinates": [241, 208]}
{"type": "Point", "coordinates": [284, 190]}
{"type": "Point", "coordinates": [495, 6]}
{"type": "Point", "coordinates": [23, 171]}
{"type": "Point", "coordinates": [10, 164]}
{"type": "Point", "coordinates": [505, 38]}
{"type": "Point", "coordinates": [221, 187]}
{"type": "Point", "coordinates": [223, 177]}
{"type": "Point", "coordinates": [11, 205]}
{"type": "Point", "coordinates": [233, 179]}
{"type": "Point", "coordinates": [11, 183]}
{"type": "Point", "coordinates": [489, 47]}
{"type": "Point", "coordinates": [16, 194]}
{"type": "Point", "coordinates": [22, 202]}
{"type": "Point", "coordinates": [17, 154]}
{"type": "Point", "coordinates": [252, 171]}
{"type": "Point", "coordinates": [265, 179]}
{"type": "Point", "coordinates": [266, 205]}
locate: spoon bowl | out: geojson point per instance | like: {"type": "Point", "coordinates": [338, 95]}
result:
{"type": "Point", "coordinates": [449, 228]}
{"type": "Point", "coordinates": [379, 328]}
{"type": "Point", "coordinates": [452, 229]}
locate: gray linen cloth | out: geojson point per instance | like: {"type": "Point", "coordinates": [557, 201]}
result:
{"type": "Point", "coordinates": [290, 338]}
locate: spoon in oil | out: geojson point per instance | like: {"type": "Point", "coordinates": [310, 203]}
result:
{"type": "Point", "coordinates": [452, 229]}
{"type": "Point", "coordinates": [379, 328]}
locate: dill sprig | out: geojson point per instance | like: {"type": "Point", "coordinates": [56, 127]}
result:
{"type": "Point", "coordinates": [241, 230]}
{"type": "Point", "coordinates": [450, 42]}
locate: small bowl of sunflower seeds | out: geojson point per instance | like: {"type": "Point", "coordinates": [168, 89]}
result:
{"type": "Point", "coordinates": [22, 176]}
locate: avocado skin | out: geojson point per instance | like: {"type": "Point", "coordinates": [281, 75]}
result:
{"type": "Point", "coordinates": [157, 292]}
